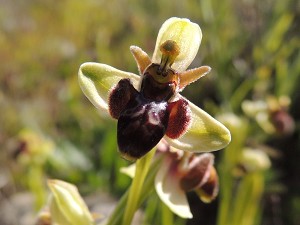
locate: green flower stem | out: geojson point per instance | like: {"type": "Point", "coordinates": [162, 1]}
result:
{"type": "Point", "coordinates": [230, 158]}
{"type": "Point", "coordinates": [248, 199]}
{"type": "Point", "coordinates": [242, 207]}
{"type": "Point", "coordinates": [116, 216]}
{"type": "Point", "coordinates": [257, 192]}
{"type": "Point", "coordinates": [240, 93]}
{"type": "Point", "coordinates": [226, 182]}
{"type": "Point", "coordinates": [148, 187]}
{"type": "Point", "coordinates": [35, 182]}
{"type": "Point", "coordinates": [142, 168]}
{"type": "Point", "coordinates": [167, 215]}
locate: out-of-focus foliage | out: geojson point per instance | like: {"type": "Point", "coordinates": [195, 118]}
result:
{"type": "Point", "coordinates": [252, 47]}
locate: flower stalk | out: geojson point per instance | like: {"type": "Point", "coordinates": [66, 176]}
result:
{"type": "Point", "coordinates": [117, 216]}
{"type": "Point", "coordinates": [242, 177]}
{"type": "Point", "coordinates": [134, 195]}
{"type": "Point", "coordinates": [167, 215]}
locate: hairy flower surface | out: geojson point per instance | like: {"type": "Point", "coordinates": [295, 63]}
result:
{"type": "Point", "coordinates": [149, 107]}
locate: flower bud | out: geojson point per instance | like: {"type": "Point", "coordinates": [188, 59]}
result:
{"type": "Point", "coordinates": [66, 205]}
{"type": "Point", "coordinates": [283, 122]}
{"type": "Point", "coordinates": [33, 148]}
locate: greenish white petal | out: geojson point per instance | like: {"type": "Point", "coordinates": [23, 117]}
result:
{"type": "Point", "coordinates": [188, 37]}
{"type": "Point", "coordinates": [129, 170]}
{"type": "Point", "coordinates": [205, 133]}
{"type": "Point", "coordinates": [96, 80]}
{"type": "Point", "coordinates": [168, 189]}
{"type": "Point", "coordinates": [66, 205]}
{"type": "Point", "coordinates": [252, 108]}
{"type": "Point", "coordinates": [255, 159]}
{"type": "Point", "coordinates": [263, 119]}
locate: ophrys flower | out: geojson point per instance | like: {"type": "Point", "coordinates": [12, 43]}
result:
{"type": "Point", "coordinates": [149, 107]}
{"type": "Point", "coordinates": [181, 172]}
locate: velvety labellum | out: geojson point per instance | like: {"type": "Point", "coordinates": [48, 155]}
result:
{"type": "Point", "coordinates": [145, 117]}
{"type": "Point", "coordinates": [141, 126]}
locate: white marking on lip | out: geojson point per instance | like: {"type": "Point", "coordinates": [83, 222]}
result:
{"type": "Point", "coordinates": [139, 112]}
{"type": "Point", "coordinates": [154, 118]}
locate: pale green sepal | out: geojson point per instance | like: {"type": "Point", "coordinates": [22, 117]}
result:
{"type": "Point", "coordinates": [168, 189]}
{"type": "Point", "coordinates": [129, 170]}
{"type": "Point", "coordinates": [57, 217]}
{"type": "Point", "coordinates": [66, 205]}
{"type": "Point", "coordinates": [255, 159]}
{"type": "Point", "coordinates": [96, 80]}
{"type": "Point", "coordinates": [205, 133]}
{"type": "Point", "coordinates": [188, 37]}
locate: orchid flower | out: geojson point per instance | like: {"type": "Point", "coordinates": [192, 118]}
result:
{"type": "Point", "coordinates": [254, 160]}
{"type": "Point", "coordinates": [181, 172]}
{"type": "Point", "coordinates": [187, 172]}
{"type": "Point", "coordinates": [148, 106]}
{"type": "Point", "coordinates": [271, 114]}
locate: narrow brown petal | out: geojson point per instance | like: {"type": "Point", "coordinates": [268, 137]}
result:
{"type": "Point", "coordinates": [192, 75]}
{"type": "Point", "coordinates": [142, 59]}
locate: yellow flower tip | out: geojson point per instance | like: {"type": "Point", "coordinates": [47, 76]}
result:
{"type": "Point", "coordinates": [221, 138]}
{"type": "Point", "coordinates": [59, 185]}
{"type": "Point", "coordinates": [87, 69]}
{"type": "Point", "coordinates": [226, 137]}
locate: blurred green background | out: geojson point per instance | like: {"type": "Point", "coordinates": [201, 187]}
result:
{"type": "Point", "coordinates": [48, 129]}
